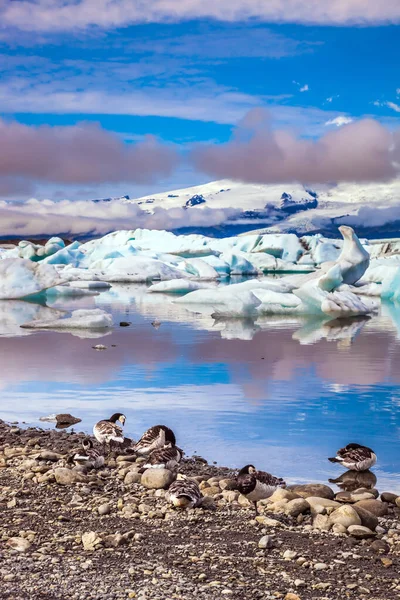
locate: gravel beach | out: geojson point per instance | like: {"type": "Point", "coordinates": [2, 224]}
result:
{"type": "Point", "coordinates": [102, 534]}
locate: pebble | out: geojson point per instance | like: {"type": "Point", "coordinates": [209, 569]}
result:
{"type": "Point", "coordinates": [266, 542]}
{"type": "Point", "coordinates": [104, 509]}
{"type": "Point", "coordinates": [289, 554]}
{"type": "Point", "coordinates": [320, 566]}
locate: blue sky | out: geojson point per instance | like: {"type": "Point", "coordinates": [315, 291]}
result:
{"type": "Point", "coordinates": [190, 81]}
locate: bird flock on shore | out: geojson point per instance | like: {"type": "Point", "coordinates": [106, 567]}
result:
{"type": "Point", "coordinates": [158, 446]}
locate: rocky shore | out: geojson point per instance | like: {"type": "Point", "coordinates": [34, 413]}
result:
{"type": "Point", "coordinates": [103, 534]}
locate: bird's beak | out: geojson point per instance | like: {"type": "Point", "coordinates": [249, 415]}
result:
{"type": "Point", "coordinates": [122, 420]}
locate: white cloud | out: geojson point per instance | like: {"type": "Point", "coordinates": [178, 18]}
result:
{"type": "Point", "coordinates": [398, 91]}
{"type": "Point", "coordinates": [74, 218]}
{"type": "Point", "coordinates": [305, 88]}
{"type": "Point", "coordinates": [339, 121]}
{"type": "Point", "coordinates": [393, 106]}
{"type": "Point", "coordinates": [62, 15]}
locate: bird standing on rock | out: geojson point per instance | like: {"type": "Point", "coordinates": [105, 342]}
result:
{"type": "Point", "coordinates": [355, 457]}
{"type": "Point", "coordinates": [257, 485]}
{"type": "Point", "coordinates": [155, 437]}
{"type": "Point", "coordinates": [107, 431]}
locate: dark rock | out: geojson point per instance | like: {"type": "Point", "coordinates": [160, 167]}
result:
{"type": "Point", "coordinates": [389, 497]}
{"type": "Point", "coordinates": [125, 323]}
{"type": "Point", "coordinates": [318, 490]}
{"type": "Point", "coordinates": [380, 547]}
{"type": "Point", "coordinates": [367, 518]}
{"type": "Point", "coordinates": [66, 420]}
{"type": "Point", "coordinates": [376, 507]}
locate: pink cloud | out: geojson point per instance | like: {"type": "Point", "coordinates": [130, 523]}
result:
{"type": "Point", "coordinates": [80, 154]}
{"type": "Point", "coordinates": [360, 151]}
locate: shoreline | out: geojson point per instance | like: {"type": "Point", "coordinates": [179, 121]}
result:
{"type": "Point", "coordinates": [103, 535]}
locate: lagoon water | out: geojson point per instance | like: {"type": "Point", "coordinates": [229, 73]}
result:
{"type": "Point", "coordinates": [283, 394]}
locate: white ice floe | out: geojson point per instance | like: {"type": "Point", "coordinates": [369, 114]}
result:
{"type": "Point", "coordinates": [79, 319]}
{"type": "Point", "coordinates": [70, 290]}
{"type": "Point", "coordinates": [20, 278]}
{"type": "Point", "coordinates": [134, 269]}
{"type": "Point", "coordinates": [177, 286]}
{"type": "Point", "coordinates": [200, 269]}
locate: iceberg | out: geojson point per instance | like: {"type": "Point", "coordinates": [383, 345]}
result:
{"type": "Point", "coordinates": [200, 269]}
{"type": "Point", "coordinates": [79, 319]}
{"type": "Point", "coordinates": [134, 269]}
{"type": "Point", "coordinates": [69, 290]}
{"type": "Point", "coordinates": [391, 285]}
{"type": "Point", "coordinates": [177, 286]}
{"type": "Point", "coordinates": [20, 278]}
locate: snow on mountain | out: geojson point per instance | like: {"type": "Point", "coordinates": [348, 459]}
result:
{"type": "Point", "coordinates": [97, 200]}
{"type": "Point", "coordinates": [289, 207]}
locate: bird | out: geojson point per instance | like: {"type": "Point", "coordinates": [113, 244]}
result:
{"type": "Point", "coordinates": [89, 457]}
{"type": "Point", "coordinates": [185, 493]}
{"type": "Point", "coordinates": [167, 457]}
{"type": "Point", "coordinates": [355, 457]}
{"type": "Point", "coordinates": [107, 431]}
{"type": "Point", "coordinates": [155, 437]}
{"type": "Point", "coordinates": [257, 485]}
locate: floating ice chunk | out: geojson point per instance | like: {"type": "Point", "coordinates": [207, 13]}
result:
{"type": "Point", "coordinates": [345, 304]}
{"type": "Point", "coordinates": [385, 248]}
{"type": "Point", "coordinates": [264, 263]}
{"type": "Point", "coordinates": [354, 259]}
{"type": "Point", "coordinates": [70, 255]}
{"type": "Point", "coordinates": [286, 246]}
{"type": "Point", "coordinates": [134, 269]}
{"type": "Point", "coordinates": [218, 264]}
{"type": "Point", "coordinates": [237, 305]}
{"type": "Point", "coordinates": [363, 289]}
{"type": "Point", "coordinates": [381, 270]}
{"type": "Point", "coordinates": [79, 319]}
{"type": "Point", "coordinates": [200, 269]}
{"type": "Point", "coordinates": [331, 279]}
{"type": "Point", "coordinates": [68, 290]}
{"type": "Point", "coordinates": [177, 286]}
{"type": "Point", "coordinates": [75, 274]}
{"type": "Point", "coordinates": [20, 278]}
{"type": "Point", "coordinates": [277, 302]}
{"type": "Point", "coordinates": [225, 301]}
{"type": "Point", "coordinates": [239, 264]}
{"type": "Point", "coordinates": [322, 249]}
{"type": "Point", "coordinates": [391, 285]}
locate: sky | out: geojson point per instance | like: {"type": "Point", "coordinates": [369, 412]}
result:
{"type": "Point", "coordinates": [102, 98]}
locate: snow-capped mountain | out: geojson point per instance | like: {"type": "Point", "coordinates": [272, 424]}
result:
{"type": "Point", "coordinates": [372, 207]}
{"type": "Point", "coordinates": [97, 200]}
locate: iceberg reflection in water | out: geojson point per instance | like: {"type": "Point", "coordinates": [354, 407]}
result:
{"type": "Point", "coordinates": [286, 391]}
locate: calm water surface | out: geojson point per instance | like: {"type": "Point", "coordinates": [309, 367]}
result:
{"type": "Point", "coordinates": [283, 394]}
